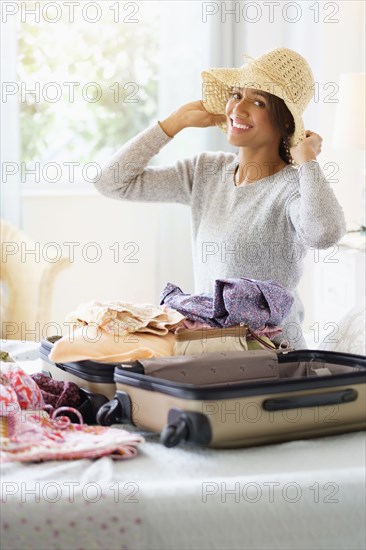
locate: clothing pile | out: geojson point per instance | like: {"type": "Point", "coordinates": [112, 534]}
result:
{"type": "Point", "coordinates": [116, 331]}
{"type": "Point", "coordinates": [32, 430]}
{"type": "Point", "coordinates": [234, 301]}
{"type": "Point", "coordinates": [109, 332]}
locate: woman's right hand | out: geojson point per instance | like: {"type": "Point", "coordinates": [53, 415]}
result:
{"type": "Point", "coordinates": [191, 114]}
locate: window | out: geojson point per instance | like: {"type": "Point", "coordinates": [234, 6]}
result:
{"type": "Point", "coordinates": [87, 82]}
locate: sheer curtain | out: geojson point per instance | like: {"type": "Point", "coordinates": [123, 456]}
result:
{"type": "Point", "coordinates": [10, 138]}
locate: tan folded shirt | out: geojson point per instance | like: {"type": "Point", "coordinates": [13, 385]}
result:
{"type": "Point", "coordinates": [95, 344]}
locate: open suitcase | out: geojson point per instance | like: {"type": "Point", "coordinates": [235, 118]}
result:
{"type": "Point", "coordinates": [237, 399]}
{"type": "Point", "coordinates": [227, 399]}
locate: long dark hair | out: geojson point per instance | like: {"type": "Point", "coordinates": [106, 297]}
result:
{"type": "Point", "coordinates": [283, 121]}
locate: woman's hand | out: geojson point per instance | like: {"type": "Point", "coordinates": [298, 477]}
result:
{"type": "Point", "coordinates": [195, 115]}
{"type": "Point", "coordinates": [308, 149]}
{"type": "Point", "coordinates": [191, 114]}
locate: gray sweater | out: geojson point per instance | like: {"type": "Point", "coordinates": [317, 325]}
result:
{"type": "Point", "coordinates": [260, 230]}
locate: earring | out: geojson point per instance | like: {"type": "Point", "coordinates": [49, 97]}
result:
{"type": "Point", "coordinates": [287, 150]}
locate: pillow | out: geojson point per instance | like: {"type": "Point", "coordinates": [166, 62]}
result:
{"type": "Point", "coordinates": [350, 337]}
{"type": "Point", "coordinates": [93, 343]}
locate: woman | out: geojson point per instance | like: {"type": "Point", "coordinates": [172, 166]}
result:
{"type": "Point", "coordinates": [254, 214]}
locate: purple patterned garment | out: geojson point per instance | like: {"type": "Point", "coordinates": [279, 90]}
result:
{"type": "Point", "coordinates": [242, 300]}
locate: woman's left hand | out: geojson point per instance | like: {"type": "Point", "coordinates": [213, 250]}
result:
{"type": "Point", "coordinates": [308, 149]}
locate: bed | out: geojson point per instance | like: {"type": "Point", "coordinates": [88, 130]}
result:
{"type": "Point", "coordinates": [300, 494]}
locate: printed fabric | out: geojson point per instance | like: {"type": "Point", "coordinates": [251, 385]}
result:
{"type": "Point", "coordinates": [234, 301]}
{"type": "Point", "coordinates": [58, 393]}
{"type": "Point", "coordinates": [29, 432]}
{"type": "Point", "coordinates": [40, 438]}
{"type": "Point", "coordinates": [17, 386]}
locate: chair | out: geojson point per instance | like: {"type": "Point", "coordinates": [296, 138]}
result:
{"type": "Point", "coordinates": [27, 282]}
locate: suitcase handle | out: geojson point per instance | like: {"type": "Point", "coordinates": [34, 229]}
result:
{"type": "Point", "coordinates": [313, 400]}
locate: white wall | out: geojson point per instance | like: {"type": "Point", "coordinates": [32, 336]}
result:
{"type": "Point", "coordinates": [96, 219]}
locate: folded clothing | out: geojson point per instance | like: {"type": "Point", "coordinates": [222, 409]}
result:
{"type": "Point", "coordinates": [234, 301]}
{"type": "Point", "coordinates": [121, 318]}
{"type": "Point", "coordinates": [96, 344]}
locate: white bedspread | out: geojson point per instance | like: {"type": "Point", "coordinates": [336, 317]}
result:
{"type": "Point", "coordinates": [307, 494]}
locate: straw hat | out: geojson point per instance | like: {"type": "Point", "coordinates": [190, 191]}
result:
{"type": "Point", "coordinates": [281, 72]}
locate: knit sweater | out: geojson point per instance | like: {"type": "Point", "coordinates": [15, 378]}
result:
{"type": "Point", "coordinates": [260, 230]}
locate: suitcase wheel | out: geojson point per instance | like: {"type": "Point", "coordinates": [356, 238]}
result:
{"type": "Point", "coordinates": [173, 434]}
{"type": "Point", "coordinates": [109, 413]}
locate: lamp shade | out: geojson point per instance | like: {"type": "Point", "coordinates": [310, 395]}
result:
{"type": "Point", "coordinates": [349, 125]}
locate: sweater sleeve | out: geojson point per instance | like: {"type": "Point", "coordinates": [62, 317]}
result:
{"type": "Point", "coordinates": [126, 175]}
{"type": "Point", "coordinates": [314, 210]}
